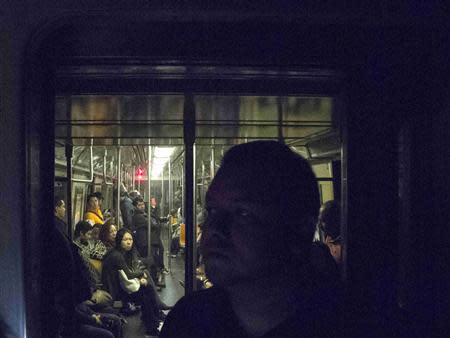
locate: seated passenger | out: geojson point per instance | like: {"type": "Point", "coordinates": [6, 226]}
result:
{"type": "Point", "coordinates": [65, 282]}
{"type": "Point", "coordinates": [126, 279]}
{"type": "Point", "coordinates": [82, 235]}
{"type": "Point", "coordinates": [60, 212]}
{"type": "Point", "coordinates": [107, 236]}
{"type": "Point", "coordinates": [95, 231]}
{"type": "Point", "coordinates": [330, 224]}
{"type": "Point", "coordinates": [256, 244]}
{"type": "Point", "coordinates": [97, 324]}
{"type": "Point", "coordinates": [93, 213]}
{"type": "Point", "coordinates": [88, 249]}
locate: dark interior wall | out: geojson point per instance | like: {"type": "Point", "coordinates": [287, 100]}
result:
{"type": "Point", "coordinates": [430, 215]}
{"type": "Point", "coordinates": [381, 91]}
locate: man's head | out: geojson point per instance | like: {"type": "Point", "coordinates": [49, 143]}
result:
{"type": "Point", "coordinates": [330, 224]}
{"type": "Point", "coordinates": [261, 212]}
{"type": "Point", "coordinates": [139, 203]}
{"type": "Point", "coordinates": [99, 196]}
{"type": "Point", "coordinates": [134, 194]}
{"type": "Point", "coordinates": [83, 231]}
{"type": "Point", "coordinates": [92, 202]}
{"type": "Point", "coordinates": [59, 207]}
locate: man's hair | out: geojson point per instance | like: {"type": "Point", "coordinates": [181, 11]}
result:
{"type": "Point", "coordinates": [137, 200]}
{"type": "Point", "coordinates": [272, 174]}
{"type": "Point", "coordinates": [134, 194]}
{"type": "Point", "coordinates": [57, 201]}
{"type": "Point", "coordinates": [91, 196]}
{"type": "Point", "coordinates": [81, 228]}
{"type": "Point", "coordinates": [330, 217]}
{"type": "Point", "coordinates": [98, 194]}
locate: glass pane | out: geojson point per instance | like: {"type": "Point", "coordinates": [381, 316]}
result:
{"type": "Point", "coordinates": [110, 117]}
{"type": "Point", "coordinates": [307, 109]}
{"type": "Point", "coordinates": [304, 123]}
{"type": "Point", "coordinates": [322, 170]}
{"type": "Point", "coordinates": [262, 117]}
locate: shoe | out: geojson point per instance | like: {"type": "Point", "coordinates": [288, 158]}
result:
{"type": "Point", "coordinates": [173, 256]}
{"type": "Point", "coordinates": [161, 280]}
{"type": "Point", "coordinates": [130, 309]}
{"type": "Point", "coordinates": [165, 271]}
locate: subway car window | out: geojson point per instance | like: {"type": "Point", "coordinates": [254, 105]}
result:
{"type": "Point", "coordinates": [120, 164]}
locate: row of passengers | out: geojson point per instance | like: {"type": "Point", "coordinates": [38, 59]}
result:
{"type": "Point", "coordinates": [123, 275]}
{"type": "Point", "coordinates": [76, 309]}
{"type": "Point", "coordinates": [134, 218]}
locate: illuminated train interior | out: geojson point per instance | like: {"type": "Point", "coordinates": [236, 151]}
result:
{"type": "Point", "coordinates": [136, 142]}
{"type": "Point", "coordinates": [145, 98]}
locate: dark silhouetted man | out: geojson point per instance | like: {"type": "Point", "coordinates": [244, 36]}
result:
{"type": "Point", "coordinates": [262, 207]}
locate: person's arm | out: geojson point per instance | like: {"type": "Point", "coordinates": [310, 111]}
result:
{"type": "Point", "coordinates": [122, 265]}
{"type": "Point", "coordinates": [128, 215]}
{"type": "Point", "coordinates": [129, 285]}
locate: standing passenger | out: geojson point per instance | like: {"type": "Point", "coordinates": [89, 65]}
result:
{"type": "Point", "coordinates": [157, 246]}
{"type": "Point", "coordinates": [126, 209]}
{"type": "Point", "coordinates": [262, 207]}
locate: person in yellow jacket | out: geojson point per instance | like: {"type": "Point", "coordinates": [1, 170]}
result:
{"type": "Point", "coordinates": [93, 214]}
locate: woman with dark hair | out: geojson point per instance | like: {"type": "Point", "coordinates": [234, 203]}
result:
{"type": "Point", "coordinates": [106, 240]}
{"type": "Point", "coordinates": [107, 235]}
{"type": "Point", "coordinates": [126, 279]}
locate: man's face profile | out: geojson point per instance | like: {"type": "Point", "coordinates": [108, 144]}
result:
{"type": "Point", "coordinates": [237, 232]}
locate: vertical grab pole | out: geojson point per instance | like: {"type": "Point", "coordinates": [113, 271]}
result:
{"type": "Point", "coordinates": [170, 185]}
{"type": "Point", "coordinates": [280, 119]}
{"type": "Point", "coordinates": [162, 205]}
{"type": "Point", "coordinates": [213, 162]}
{"type": "Point", "coordinates": [163, 195]}
{"type": "Point", "coordinates": [203, 184]}
{"type": "Point", "coordinates": [69, 154]}
{"type": "Point", "coordinates": [133, 180]}
{"type": "Point", "coordinates": [189, 184]}
{"type": "Point", "coordinates": [119, 183]}
{"type": "Point", "coordinates": [149, 218]}
{"type": "Point", "coordinates": [170, 217]}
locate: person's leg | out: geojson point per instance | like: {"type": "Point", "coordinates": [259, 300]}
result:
{"type": "Point", "coordinates": [160, 304]}
{"type": "Point", "coordinates": [113, 323]}
{"type": "Point", "coordinates": [154, 268]}
{"type": "Point", "coordinates": [94, 332]}
{"type": "Point", "coordinates": [150, 310]}
{"type": "Point", "coordinates": [161, 255]}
